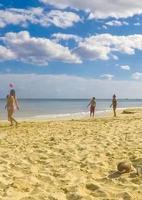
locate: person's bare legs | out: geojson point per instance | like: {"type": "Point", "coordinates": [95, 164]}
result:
{"type": "Point", "coordinates": [93, 113]}
{"type": "Point", "coordinates": [14, 120]}
{"type": "Point", "coordinates": [114, 111]}
{"type": "Point", "coordinates": [10, 117]}
{"type": "Point", "coordinates": [90, 112]}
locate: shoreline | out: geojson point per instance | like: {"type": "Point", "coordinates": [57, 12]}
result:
{"type": "Point", "coordinates": [72, 116]}
{"type": "Point", "coordinates": [60, 117]}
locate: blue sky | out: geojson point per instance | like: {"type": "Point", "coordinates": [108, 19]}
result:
{"type": "Point", "coordinates": [97, 42]}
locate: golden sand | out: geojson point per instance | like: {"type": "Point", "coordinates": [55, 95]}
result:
{"type": "Point", "coordinates": [71, 159]}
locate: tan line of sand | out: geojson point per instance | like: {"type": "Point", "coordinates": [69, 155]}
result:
{"type": "Point", "coordinates": [71, 159]}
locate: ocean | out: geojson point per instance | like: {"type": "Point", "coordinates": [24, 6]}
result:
{"type": "Point", "coordinates": [54, 108]}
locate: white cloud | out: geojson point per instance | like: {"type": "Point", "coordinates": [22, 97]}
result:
{"type": "Point", "coordinates": [19, 16]}
{"type": "Point", "coordinates": [64, 86]}
{"type": "Point", "coordinates": [105, 27]}
{"type": "Point", "coordinates": [40, 51]}
{"type": "Point", "coordinates": [104, 45]}
{"type": "Point", "coordinates": [21, 46]}
{"type": "Point", "coordinates": [6, 54]}
{"type": "Point", "coordinates": [137, 76]}
{"type": "Point", "coordinates": [116, 23]}
{"type": "Point", "coordinates": [61, 19]}
{"type": "Point", "coordinates": [115, 57]}
{"type": "Point", "coordinates": [37, 16]}
{"type": "Point", "coordinates": [91, 16]}
{"type": "Point", "coordinates": [61, 36]}
{"type": "Point", "coordinates": [102, 8]}
{"type": "Point", "coordinates": [107, 76]}
{"type": "Point", "coordinates": [125, 67]}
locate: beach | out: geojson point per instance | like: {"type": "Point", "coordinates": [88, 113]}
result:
{"type": "Point", "coordinates": [74, 159]}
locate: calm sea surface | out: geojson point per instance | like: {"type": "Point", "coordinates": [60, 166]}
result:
{"type": "Point", "coordinates": [52, 108]}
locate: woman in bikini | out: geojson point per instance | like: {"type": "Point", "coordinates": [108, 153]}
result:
{"type": "Point", "coordinates": [92, 105]}
{"type": "Point", "coordinates": [114, 104]}
{"type": "Point", "coordinates": [11, 105]}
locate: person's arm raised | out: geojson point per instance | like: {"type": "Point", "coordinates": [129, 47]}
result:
{"type": "Point", "coordinates": [89, 104]}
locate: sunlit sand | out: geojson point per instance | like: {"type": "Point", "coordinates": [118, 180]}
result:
{"type": "Point", "coordinates": [71, 159]}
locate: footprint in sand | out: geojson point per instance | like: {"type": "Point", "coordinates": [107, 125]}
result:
{"type": "Point", "coordinates": [96, 190]}
{"type": "Point", "coordinates": [125, 195]}
{"type": "Point", "coordinates": [73, 196]}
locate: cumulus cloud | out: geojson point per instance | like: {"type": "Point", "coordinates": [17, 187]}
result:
{"type": "Point", "coordinates": [107, 76]}
{"type": "Point", "coordinates": [37, 15]}
{"type": "Point", "coordinates": [19, 16]}
{"type": "Point", "coordinates": [61, 19]}
{"type": "Point", "coordinates": [116, 23]}
{"type": "Point", "coordinates": [61, 36]}
{"type": "Point", "coordinates": [6, 54]}
{"type": "Point", "coordinates": [103, 46]}
{"type": "Point", "coordinates": [102, 8]}
{"type": "Point", "coordinates": [137, 76]}
{"type": "Point", "coordinates": [40, 51]}
{"type": "Point", "coordinates": [23, 47]}
{"type": "Point", "coordinates": [125, 67]}
{"type": "Point", "coordinates": [64, 86]}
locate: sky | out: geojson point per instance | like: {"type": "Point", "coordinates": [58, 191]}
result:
{"type": "Point", "coordinates": [71, 48]}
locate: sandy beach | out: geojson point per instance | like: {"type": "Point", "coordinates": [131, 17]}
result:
{"type": "Point", "coordinates": [71, 159]}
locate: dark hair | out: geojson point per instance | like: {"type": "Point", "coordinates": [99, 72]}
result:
{"type": "Point", "coordinates": [12, 92]}
{"type": "Point", "coordinates": [114, 96]}
{"type": "Point", "coordinates": [93, 97]}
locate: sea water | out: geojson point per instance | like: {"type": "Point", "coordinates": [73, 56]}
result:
{"type": "Point", "coordinates": [54, 108]}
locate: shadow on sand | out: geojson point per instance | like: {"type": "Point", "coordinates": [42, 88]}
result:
{"type": "Point", "coordinates": [115, 174]}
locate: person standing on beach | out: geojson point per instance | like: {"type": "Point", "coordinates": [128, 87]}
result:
{"type": "Point", "coordinates": [92, 105]}
{"type": "Point", "coordinates": [11, 105]}
{"type": "Point", "coordinates": [114, 105]}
